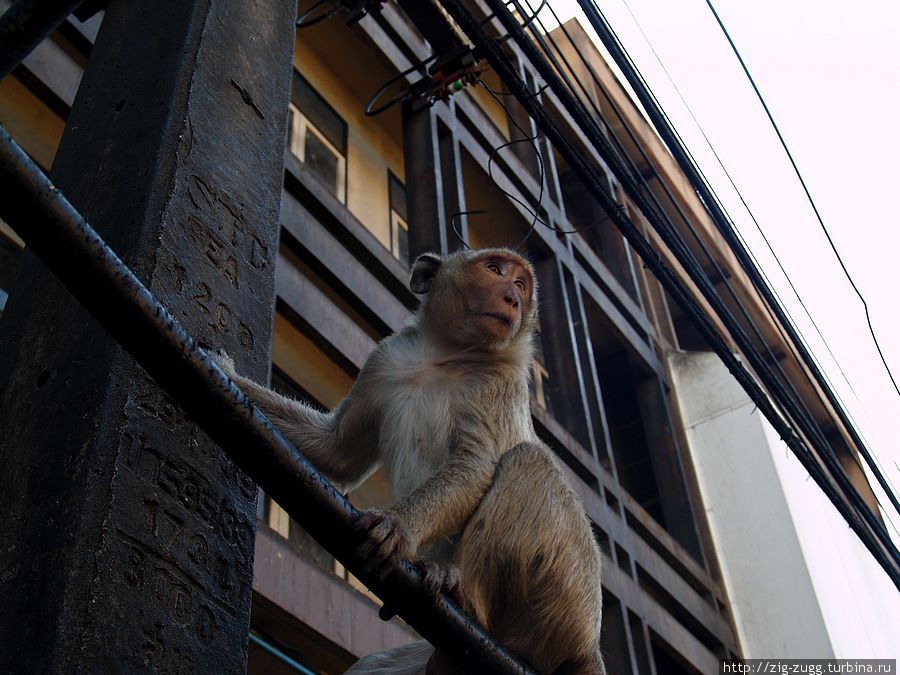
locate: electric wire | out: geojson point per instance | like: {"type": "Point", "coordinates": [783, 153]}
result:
{"type": "Point", "coordinates": [838, 474]}
{"type": "Point", "coordinates": [802, 408]}
{"type": "Point", "coordinates": [494, 156]}
{"type": "Point", "coordinates": [826, 386]}
{"type": "Point", "coordinates": [743, 202]}
{"type": "Point", "coordinates": [856, 516]}
{"type": "Point", "coordinates": [639, 177]}
{"type": "Point", "coordinates": [531, 139]}
{"type": "Point", "coordinates": [889, 488]}
{"type": "Point", "coordinates": [304, 20]}
{"type": "Point", "coordinates": [456, 217]}
{"type": "Point", "coordinates": [808, 195]}
{"type": "Point", "coordinates": [400, 96]}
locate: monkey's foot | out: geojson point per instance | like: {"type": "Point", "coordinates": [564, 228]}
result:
{"type": "Point", "coordinates": [440, 578]}
{"type": "Point", "coordinates": [385, 541]}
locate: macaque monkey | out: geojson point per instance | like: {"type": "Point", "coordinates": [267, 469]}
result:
{"type": "Point", "coordinates": [443, 406]}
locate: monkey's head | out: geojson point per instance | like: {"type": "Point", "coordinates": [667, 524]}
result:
{"type": "Point", "coordinates": [478, 298]}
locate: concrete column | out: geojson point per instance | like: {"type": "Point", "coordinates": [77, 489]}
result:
{"type": "Point", "coordinates": [128, 536]}
{"type": "Point", "coordinates": [424, 182]}
{"type": "Point", "coordinates": [773, 601]}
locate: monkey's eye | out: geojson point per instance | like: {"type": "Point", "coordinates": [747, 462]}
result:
{"type": "Point", "coordinates": [494, 267]}
{"type": "Point", "coordinates": [520, 285]}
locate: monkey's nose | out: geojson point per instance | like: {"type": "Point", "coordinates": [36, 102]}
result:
{"type": "Point", "coordinates": [511, 300]}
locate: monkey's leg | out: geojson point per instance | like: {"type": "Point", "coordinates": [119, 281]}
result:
{"type": "Point", "coordinates": [530, 567]}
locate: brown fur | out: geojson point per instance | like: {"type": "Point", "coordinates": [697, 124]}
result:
{"type": "Point", "coordinates": [443, 406]}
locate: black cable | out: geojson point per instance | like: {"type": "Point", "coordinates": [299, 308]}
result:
{"type": "Point", "coordinates": [532, 141]}
{"type": "Point", "coordinates": [740, 196]}
{"type": "Point", "coordinates": [800, 407]}
{"type": "Point", "coordinates": [640, 179]}
{"type": "Point", "coordinates": [698, 240]}
{"type": "Point", "coordinates": [808, 195]}
{"type": "Point", "coordinates": [534, 13]}
{"type": "Point", "coordinates": [494, 156]}
{"type": "Point", "coordinates": [401, 96]}
{"type": "Point", "coordinates": [457, 216]}
{"type": "Point", "coordinates": [826, 456]}
{"type": "Point", "coordinates": [871, 531]}
{"type": "Point", "coordinates": [525, 23]}
{"type": "Point", "coordinates": [874, 465]}
{"type": "Point", "coordinates": [726, 227]}
{"type": "Point", "coordinates": [303, 21]}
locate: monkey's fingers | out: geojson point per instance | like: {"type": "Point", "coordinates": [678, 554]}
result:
{"type": "Point", "coordinates": [433, 576]}
{"type": "Point", "coordinates": [223, 360]}
{"type": "Point", "coordinates": [384, 544]}
{"type": "Point", "coordinates": [451, 585]}
{"type": "Point", "coordinates": [369, 520]}
{"type": "Point", "coordinates": [388, 555]}
{"type": "Point", "coordinates": [374, 526]}
{"type": "Point", "coordinates": [439, 578]}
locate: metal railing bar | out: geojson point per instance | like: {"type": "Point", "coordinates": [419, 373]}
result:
{"type": "Point", "coordinates": [55, 231]}
{"type": "Point", "coordinates": [25, 25]}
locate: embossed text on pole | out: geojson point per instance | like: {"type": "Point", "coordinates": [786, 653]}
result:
{"type": "Point", "coordinates": [128, 536]}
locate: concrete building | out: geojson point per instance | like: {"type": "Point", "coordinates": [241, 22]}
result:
{"type": "Point", "coordinates": [647, 422]}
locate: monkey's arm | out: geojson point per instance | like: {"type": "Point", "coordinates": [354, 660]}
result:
{"type": "Point", "coordinates": [342, 444]}
{"type": "Point", "coordinates": [437, 508]}
{"type": "Point", "coordinates": [443, 504]}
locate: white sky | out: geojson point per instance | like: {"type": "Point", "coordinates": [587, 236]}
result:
{"type": "Point", "coordinates": [831, 78]}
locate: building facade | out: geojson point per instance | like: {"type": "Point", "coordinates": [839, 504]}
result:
{"type": "Point", "coordinates": [362, 196]}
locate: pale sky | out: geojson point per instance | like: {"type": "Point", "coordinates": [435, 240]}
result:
{"type": "Point", "coordinates": [830, 74]}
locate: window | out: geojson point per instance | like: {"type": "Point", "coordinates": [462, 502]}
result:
{"type": "Point", "coordinates": [10, 250]}
{"type": "Point", "coordinates": [541, 388]}
{"type": "Point", "coordinates": [398, 224]}
{"type": "Point", "coordinates": [318, 137]}
{"type": "Point", "coordinates": [276, 517]}
{"type": "Point", "coordinates": [539, 385]}
{"type": "Point", "coordinates": [585, 214]}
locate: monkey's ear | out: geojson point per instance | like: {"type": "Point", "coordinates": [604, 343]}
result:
{"type": "Point", "coordinates": [424, 269]}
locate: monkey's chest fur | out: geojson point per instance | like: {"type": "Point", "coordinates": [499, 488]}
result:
{"type": "Point", "coordinates": [433, 407]}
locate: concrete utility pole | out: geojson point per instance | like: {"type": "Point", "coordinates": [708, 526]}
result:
{"type": "Point", "coordinates": [128, 537]}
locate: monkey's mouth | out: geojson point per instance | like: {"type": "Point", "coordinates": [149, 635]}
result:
{"type": "Point", "coordinates": [502, 319]}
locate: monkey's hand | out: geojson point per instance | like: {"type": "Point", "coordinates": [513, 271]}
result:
{"type": "Point", "coordinates": [385, 543]}
{"type": "Point", "coordinates": [440, 578]}
{"type": "Point", "coordinates": [224, 361]}
{"type": "Point", "coordinates": [437, 578]}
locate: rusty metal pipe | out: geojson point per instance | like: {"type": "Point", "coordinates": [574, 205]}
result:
{"type": "Point", "coordinates": [25, 25]}
{"type": "Point", "coordinates": [75, 253]}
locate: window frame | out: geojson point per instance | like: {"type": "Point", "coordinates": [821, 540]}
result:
{"type": "Point", "coordinates": [298, 125]}
{"type": "Point", "coordinates": [397, 220]}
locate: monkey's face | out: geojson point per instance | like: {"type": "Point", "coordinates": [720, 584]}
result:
{"type": "Point", "coordinates": [498, 292]}
{"type": "Point", "coordinates": [476, 298]}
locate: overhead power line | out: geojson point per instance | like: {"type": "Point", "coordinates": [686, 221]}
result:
{"type": "Point", "coordinates": [727, 230]}
{"type": "Point", "coordinates": [823, 380]}
{"type": "Point", "coordinates": [835, 484]}
{"type": "Point", "coordinates": [558, 59]}
{"type": "Point", "coordinates": [812, 203]}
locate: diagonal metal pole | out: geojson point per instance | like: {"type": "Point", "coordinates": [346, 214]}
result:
{"type": "Point", "coordinates": [75, 253]}
{"type": "Point", "coordinates": [862, 520]}
{"type": "Point", "coordinates": [25, 25]}
{"type": "Point", "coordinates": [148, 561]}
